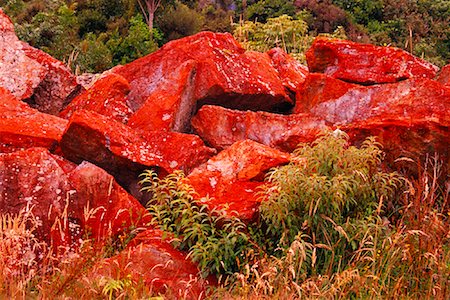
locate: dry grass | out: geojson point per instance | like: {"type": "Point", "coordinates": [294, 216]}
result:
{"type": "Point", "coordinates": [402, 254]}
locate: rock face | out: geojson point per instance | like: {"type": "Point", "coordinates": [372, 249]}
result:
{"type": "Point", "coordinates": [23, 127]}
{"type": "Point", "coordinates": [225, 73]}
{"type": "Point", "coordinates": [444, 76]}
{"type": "Point", "coordinates": [291, 72]}
{"type": "Point", "coordinates": [221, 127]}
{"type": "Point", "coordinates": [32, 75]}
{"type": "Point", "coordinates": [68, 201]}
{"type": "Point", "coordinates": [364, 63]}
{"type": "Point", "coordinates": [162, 268]}
{"type": "Point", "coordinates": [107, 96]}
{"type": "Point", "coordinates": [126, 153]}
{"type": "Point", "coordinates": [232, 177]}
{"type": "Point", "coordinates": [171, 105]}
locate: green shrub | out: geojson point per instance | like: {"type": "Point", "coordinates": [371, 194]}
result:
{"type": "Point", "coordinates": [218, 244]}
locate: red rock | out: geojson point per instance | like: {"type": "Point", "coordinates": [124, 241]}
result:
{"type": "Point", "coordinates": [124, 152]}
{"type": "Point", "coordinates": [364, 63]}
{"type": "Point", "coordinates": [410, 102]}
{"type": "Point", "coordinates": [444, 76]}
{"type": "Point", "coordinates": [30, 74]}
{"type": "Point", "coordinates": [319, 88]}
{"type": "Point", "coordinates": [22, 127]}
{"type": "Point", "coordinates": [65, 199]}
{"type": "Point", "coordinates": [162, 268]}
{"type": "Point", "coordinates": [107, 96]}
{"type": "Point", "coordinates": [221, 127]}
{"type": "Point", "coordinates": [171, 105]}
{"type": "Point", "coordinates": [19, 74]}
{"type": "Point", "coordinates": [233, 175]}
{"type": "Point", "coordinates": [57, 88]}
{"type": "Point", "coordinates": [225, 74]}
{"type": "Point", "coordinates": [112, 210]}
{"type": "Point", "coordinates": [291, 72]}
{"type": "Point", "coordinates": [409, 118]}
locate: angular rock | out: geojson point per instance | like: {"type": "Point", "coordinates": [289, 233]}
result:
{"type": "Point", "coordinates": [221, 127]}
{"type": "Point", "coordinates": [410, 102]}
{"type": "Point", "coordinates": [19, 74]}
{"type": "Point", "coordinates": [319, 88]}
{"type": "Point", "coordinates": [409, 118]}
{"type": "Point", "coordinates": [154, 260]}
{"type": "Point", "coordinates": [365, 64]}
{"type": "Point", "coordinates": [171, 105]}
{"type": "Point", "coordinates": [225, 74]}
{"type": "Point", "coordinates": [67, 201]}
{"type": "Point", "coordinates": [57, 88]}
{"type": "Point", "coordinates": [124, 152]}
{"type": "Point", "coordinates": [107, 96]}
{"type": "Point", "coordinates": [444, 76]}
{"type": "Point", "coordinates": [291, 72]}
{"type": "Point", "coordinates": [233, 176]}
{"type": "Point", "coordinates": [30, 74]}
{"type": "Point", "coordinates": [23, 127]}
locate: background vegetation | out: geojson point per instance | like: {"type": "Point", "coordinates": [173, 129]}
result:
{"type": "Point", "coordinates": [94, 35]}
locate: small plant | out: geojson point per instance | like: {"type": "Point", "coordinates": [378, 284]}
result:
{"type": "Point", "coordinates": [219, 244]}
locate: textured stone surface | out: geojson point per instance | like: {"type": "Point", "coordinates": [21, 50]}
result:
{"type": "Point", "coordinates": [444, 76]}
{"type": "Point", "coordinates": [23, 127]}
{"type": "Point", "coordinates": [291, 72]}
{"type": "Point", "coordinates": [68, 201]}
{"type": "Point", "coordinates": [57, 88]}
{"type": "Point", "coordinates": [162, 268]}
{"type": "Point", "coordinates": [107, 96]}
{"type": "Point", "coordinates": [225, 74]}
{"type": "Point", "coordinates": [32, 75]}
{"type": "Point", "coordinates": [365, 63]}
{"type": "Point", "coordinates": [171, 105]}
{"type": "Point", "coordinates": [221, 127]}
{"type": "Point", "coordinates": [124, 152]}
{"type": "Point", "coordinates": [233, 175]}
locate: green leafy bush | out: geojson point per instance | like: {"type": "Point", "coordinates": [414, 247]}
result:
{"type": "Point", "coordinates": [219, 244]}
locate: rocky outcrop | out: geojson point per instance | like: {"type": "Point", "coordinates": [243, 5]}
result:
{"type": "Point", "coordinates": [364, 63]}
{"type": "Point", "coordinates": [77, 174]}
{"type": "Point", "coordinates": [231, 178]}
{"type": "Point", "coordinates": [32, 75]}
{"type": "Point", "coordinates": [221, 127]}
{"type": "Point", "coordinates": [207, 68]}
{"type": "Point", "coordinates": [22, 127]}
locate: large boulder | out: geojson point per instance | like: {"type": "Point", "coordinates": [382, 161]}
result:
{"type": "Point", "coordinates": [231, 178]}
{"type": "Point", "coordinates": [23, 127]}
{"type": "Point", "coordinates": [225, 74]}
{"type": "Point", "coordinates": [32, 75]}
{"type": "Point", "coordinates": [221, 127]}
{"type": "Point", "coordinates": [107, 96]}
{"type": "Point", "coordinates": [409, 117]}
{"type": "Point", "coordinates": [152, 259]}
{"type": "Point", "coordinates": [126, 153]}
{"type": "Point", "coordinates": [365, 63]}
{"type": "Point", "coordinates": [68, 202]}
{"type": "Point", "coordinates": [291, 72]}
